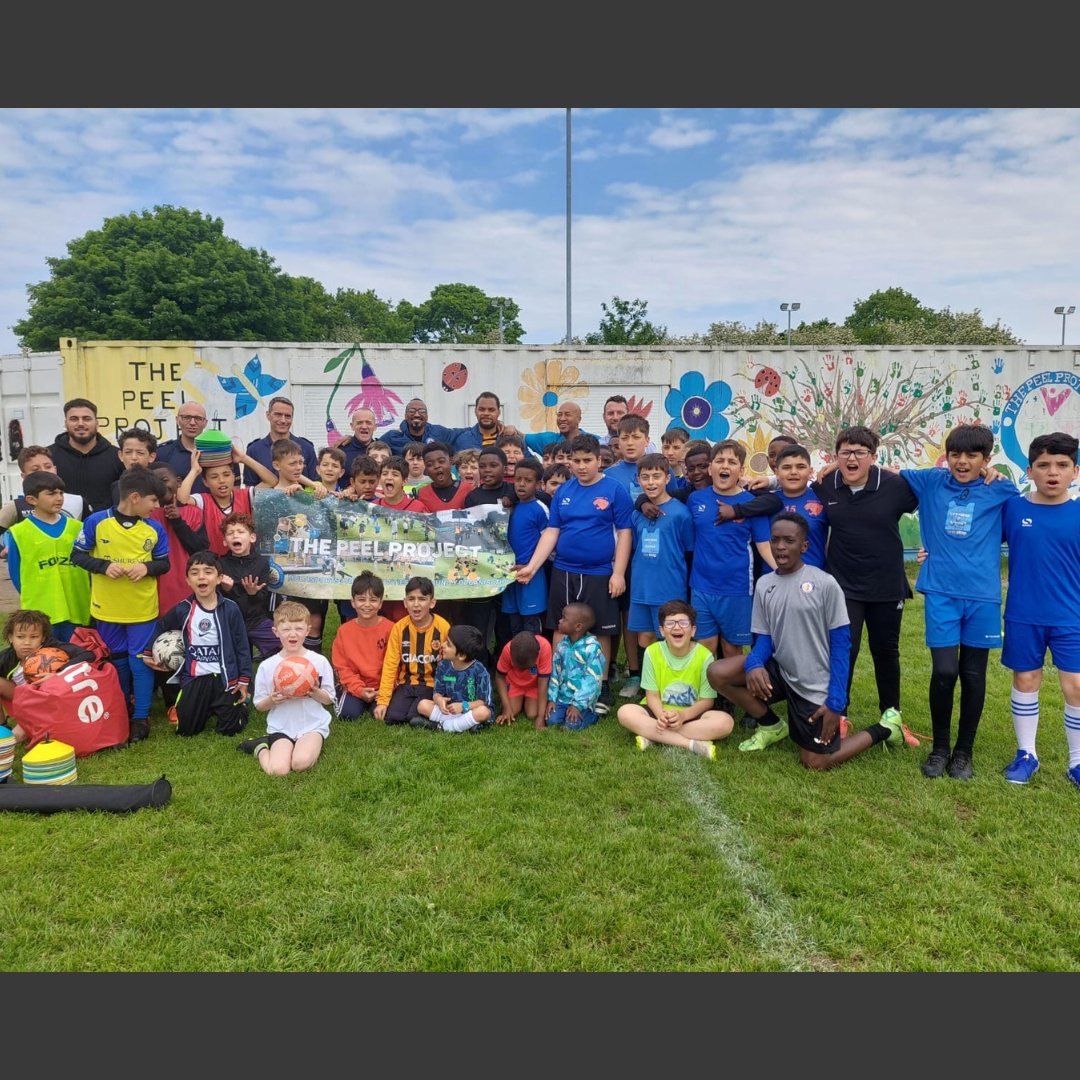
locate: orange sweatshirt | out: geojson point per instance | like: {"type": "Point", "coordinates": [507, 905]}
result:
{"type": "Point", "coordinates": [357, 654]}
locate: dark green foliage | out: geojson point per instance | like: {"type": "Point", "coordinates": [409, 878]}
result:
{"type": "Point", "coordinates": [170, 274]}
{"type": "Point", "coordinates": [626, 323]}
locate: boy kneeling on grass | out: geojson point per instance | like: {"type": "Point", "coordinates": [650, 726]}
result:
{"type": "Point", "coordinates": [522, 674]}
{"type": "Point", "coordinates": [296, 727]}
{"type": "Point", "coordinates": [462, 696]}
{"type": "Point", "coordinates": [678, 708]}
{"type": "Point", "coordinates": [216, 670]}
{"type": "Point", "coordinates": [803, 649]}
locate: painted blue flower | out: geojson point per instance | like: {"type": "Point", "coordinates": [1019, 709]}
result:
{"type": "Point", "coordinates": [698, 408]}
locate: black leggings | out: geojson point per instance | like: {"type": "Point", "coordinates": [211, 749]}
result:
{"type": "Point", "coordinates": [882, 621]}
{"type": "Point", "coordinates": [967, 664]}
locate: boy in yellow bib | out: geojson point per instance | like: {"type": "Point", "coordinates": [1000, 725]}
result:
{"type": "Point", "coordinates": [125, 550]}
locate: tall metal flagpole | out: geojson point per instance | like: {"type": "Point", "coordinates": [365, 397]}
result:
{"type": "Point", "coordinates": [568, 335]}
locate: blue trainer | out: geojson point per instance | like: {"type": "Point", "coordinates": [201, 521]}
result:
{"type": "Point", "coordinates": [1022, 767]}
{"type": "Point", "coordinates": [1073, 774]}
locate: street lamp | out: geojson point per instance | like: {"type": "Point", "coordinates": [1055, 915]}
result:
{"type": "Point", "coordinates": [789, 308]}
{"type": "Point", "coordinates": [500, 303]}
{"type": "Point", "coordinates": [1063, 312]}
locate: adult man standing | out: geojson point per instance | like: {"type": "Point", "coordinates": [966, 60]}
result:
{"type": "Point", "coordinates": [280, 416]}
{"type": "Point", "coordinates": [568, 422]}
{"type": "Point", "coordinates": [415, 428]}
{"type": "Point", "coordinates": [363, 424]}
{"type": "Point", "coordinates": [86, 461]}
{"type": "Point", "coordinates": [615, 408]}
{"type": "Point", "coordinates": [487, 428]}
{"type": "Point", "coordinates": [191, 422]}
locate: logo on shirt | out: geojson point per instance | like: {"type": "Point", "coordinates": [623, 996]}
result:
{"type": "Point", "coordinates": [148, 544]}
{"type": "Point", "coordinates": [814, 509]}
{"type": "Point", "coordinates": [807, 586]}
{"type": "Point", "coordinates": [1026, 523]}
{"type": "Point", "coordinates": [600, 503]}
{"type": "Point", "coordinates": [565, 502]}
{"type": "Point", "coordinates": [204, 625]}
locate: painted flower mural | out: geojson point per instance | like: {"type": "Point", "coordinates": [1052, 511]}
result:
{"type": "Point", "coordinates": [700, 408]}
{"type": "Point", "coordinates": [543, 387]}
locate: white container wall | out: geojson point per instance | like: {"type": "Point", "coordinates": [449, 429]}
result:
{"type": "Point", "coordinates": [913, 396]}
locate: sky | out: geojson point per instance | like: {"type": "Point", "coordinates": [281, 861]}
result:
{"type": "Point", "coordinates": [706, 214]}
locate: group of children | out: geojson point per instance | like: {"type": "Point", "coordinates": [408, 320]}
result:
{"type": "Point", "coordinates": [669, 552]}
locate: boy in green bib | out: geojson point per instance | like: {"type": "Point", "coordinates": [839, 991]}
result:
{"type": "Point", "coordinates": [39, 557]}
{"type": "Point", "coordinates": [679, 702]}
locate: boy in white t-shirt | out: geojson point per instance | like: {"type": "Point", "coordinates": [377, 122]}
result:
{"type": "Point", "coordinates": [295, 726]}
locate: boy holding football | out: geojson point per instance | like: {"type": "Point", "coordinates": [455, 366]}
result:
{"type": "Point", "coordinates": [297, 720]}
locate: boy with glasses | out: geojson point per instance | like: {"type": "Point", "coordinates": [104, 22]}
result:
{"type": "Point", "coordinates": [678, 708]}
{"type": "Point", "coordinates": [864, 504]}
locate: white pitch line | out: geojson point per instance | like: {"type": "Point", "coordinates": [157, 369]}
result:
{"type": "Point", "coordinates": [776, 929]}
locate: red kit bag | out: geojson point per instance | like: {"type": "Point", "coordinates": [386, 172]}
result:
{"type": "Point", "coordinates": [82, 705]}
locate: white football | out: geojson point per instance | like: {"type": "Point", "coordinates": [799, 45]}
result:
{"type": "Point", "coordinates": [168, 649]}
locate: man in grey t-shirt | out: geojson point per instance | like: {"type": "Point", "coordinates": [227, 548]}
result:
{"type": "Point", "coordinates": [800, 655]}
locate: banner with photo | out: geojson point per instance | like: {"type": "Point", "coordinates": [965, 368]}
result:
{"type": "Point", "coordinates": [317, 546]}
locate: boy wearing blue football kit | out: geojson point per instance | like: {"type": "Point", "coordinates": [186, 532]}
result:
{"type": "Point", "coordinates": [590, 534]}
{"type": "Point", "coordinates": [960, 526]}
{"type": "Point", "coordinates": [722, 577]}
{"type": "Point", "coordinates": [794, 471]}
{"type": "Point", "coordinates": [662, 551]}
{"type": "Point", "coordinates": [1042, 606]}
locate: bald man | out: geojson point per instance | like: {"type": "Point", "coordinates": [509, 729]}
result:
{"type": "Point", "coordinates": [415, 428]}
{"type": "Point", "coordinates": [568, 422]}
{"type": "Point", "coordinates": [190, 422]}
{"type": "Point", "coordinates": [363, 424]}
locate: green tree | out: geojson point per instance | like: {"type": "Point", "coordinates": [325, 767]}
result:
{"type": "Point", "coordinates": [625, 322]}
{"type": "Point", "coordinates": [465, 314]}
{"type": "Point", "coordinates": [363, 316]}
{"type": "Point", "coordinates": [895, 317]}
{"type": "Point", "coordinates": [170, 274]}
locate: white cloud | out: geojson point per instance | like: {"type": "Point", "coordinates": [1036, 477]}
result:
{"type": "Point", "coordinates": [964, 208]}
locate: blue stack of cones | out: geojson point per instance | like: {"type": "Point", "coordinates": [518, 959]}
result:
{"type": "Point", "coordinates": [7, 752]}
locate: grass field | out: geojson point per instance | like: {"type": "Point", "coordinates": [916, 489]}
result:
{"type": "Point", "coordinates": [543, 851]}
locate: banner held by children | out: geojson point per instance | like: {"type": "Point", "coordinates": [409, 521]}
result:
{"type": "Point", "coordinates": [317, 546]}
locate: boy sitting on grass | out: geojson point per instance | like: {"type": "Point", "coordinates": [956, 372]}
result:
{"type": "Point", "coordinates": [296, 727]}
{"type": "Point", "coordinates": [26, 631]}
{"type": "Point", "coordinates": [461, 700]}
{"type": "Point", "coordinates": [578, 666]}
{"type": "Point", "coordinates": [678, 708]}
{"type": "Point", "coordinates": [412, 653]}
{"type": "Point", "coordinates": [522, 675]}
{"type": "Point", "coordinates": [360, 647]}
